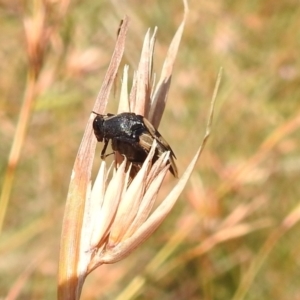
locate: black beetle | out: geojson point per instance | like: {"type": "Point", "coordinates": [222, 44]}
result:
{"type": "Point", "coordinates": [131, 135]}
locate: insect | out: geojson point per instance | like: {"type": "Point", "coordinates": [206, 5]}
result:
{"type": "Point", "coordinates": [131, 135]}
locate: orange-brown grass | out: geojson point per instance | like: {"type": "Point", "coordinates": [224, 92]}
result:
{"type": "Point", "coordinates": [231, 233]}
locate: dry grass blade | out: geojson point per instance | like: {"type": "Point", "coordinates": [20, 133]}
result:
{"type": "Point", "coordinates": [112, 70]}
{"type": "Point", "coordinates": [114, 246]}
{"type": "Point", "coordinates": [37, 37]}
{"type": "Point", "coordinates": [124, 99]}
{"type": "Point", "coordinates": [18, 286]}
{"type": "Point", "coordinates": [161, 92]}
{"type": "Point", "coordinates": [264, 150]}
{"type": "Point", "coordinates": [105, 211]}
{"type": "Point", "coordinates": [147, 203]}
{"type": "Point", "coordinates": [131, 202]}
{"type": "Point", "coordinates": [248, 277]}
{"type": "Point", "coordinates": [242, 211]}
{"type": "Point", "coordinates": [143, 80]}
{"type": "Point", "coordinates": [70, 281]}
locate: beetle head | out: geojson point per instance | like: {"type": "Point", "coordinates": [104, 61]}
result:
{"type": "Point", "coordinates": [98, 127]}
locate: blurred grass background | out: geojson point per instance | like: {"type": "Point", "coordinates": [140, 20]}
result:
{"type": "Point", "coordinates": [244, 186]}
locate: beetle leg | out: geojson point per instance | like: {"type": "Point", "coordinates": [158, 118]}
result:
{"type": "Point", "coordinates": [104, 156]}
{"type": "Point", "coordinates": [104, 149]}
